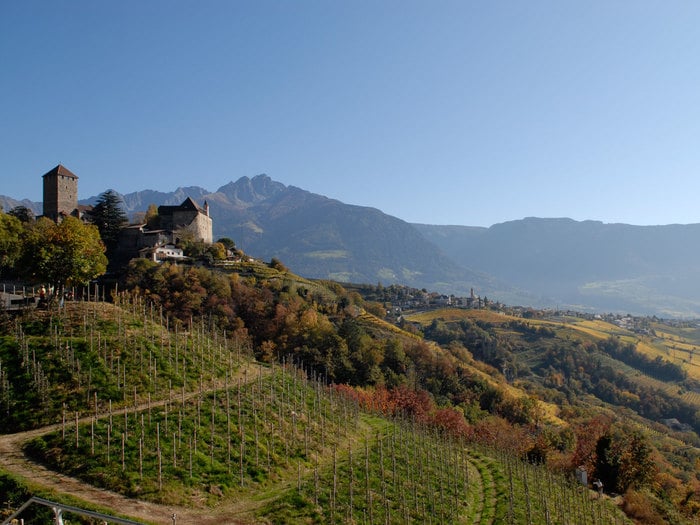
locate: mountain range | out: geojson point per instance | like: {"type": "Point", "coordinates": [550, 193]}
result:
{"type": "Point", "coordinates": [559, 262]}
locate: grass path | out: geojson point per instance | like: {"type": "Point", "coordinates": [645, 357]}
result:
{"type": "Point", "coordinates": [13, 461]}
{"type": "Point", "coordinates": [486, 509]}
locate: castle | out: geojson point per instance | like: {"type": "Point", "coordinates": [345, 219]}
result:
{"type": "Point", "coordinates": [187, 219]}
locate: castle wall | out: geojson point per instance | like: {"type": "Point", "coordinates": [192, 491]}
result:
{"type": "Point", "coordinates": [198, 224]}
{"type": "Point", "coordinates": [187, 217]}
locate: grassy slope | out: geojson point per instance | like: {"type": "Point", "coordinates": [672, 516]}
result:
{"type": "Point", "coordinates": [292, 443]}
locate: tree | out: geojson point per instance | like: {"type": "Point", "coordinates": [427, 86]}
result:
{"type": "Point", "coordinates": [151, 218]}
{"type": "Point", "coordinates": [10, 241]}
{"type": "Point", "coordinates": [109, 217]}
{"type": "Point", "coordinates": [624, 459]}
{"type": "Point", "coordinates": [278, 265]}
{"type": "Point", "coordinates": [228, 243]}
{"type": "Point", "coordinates": [67, 253]}
{"type": "Point", "coordinates": [22, 213]}
{"type": "Point", "coordinates": [217, 251]}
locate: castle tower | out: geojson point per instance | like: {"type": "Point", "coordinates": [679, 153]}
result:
{"type": "Point", "coordinates": [60, 193]}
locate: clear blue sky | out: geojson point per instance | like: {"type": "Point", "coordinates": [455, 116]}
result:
{"type": "Point", "coordinates": [443, 112]}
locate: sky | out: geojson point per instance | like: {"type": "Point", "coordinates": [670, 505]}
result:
{"type": "Point", "coordinates": [441, 112]}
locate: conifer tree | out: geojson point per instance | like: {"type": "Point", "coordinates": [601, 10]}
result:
{"type": "Point", "coordinates": [109, 217]}
{"type": "Point", "coordinates": [22, 213]}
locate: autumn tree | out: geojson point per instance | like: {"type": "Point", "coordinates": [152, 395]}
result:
{"type": "Point", "coordinates": [59, 254]}
{"type": "Point", "coordinates": [10, 241]}
{"type": "Point", "coordinates": [217, 251]}
{"type": "Point", "coordinates": [278, 265]}
{"type": "Point", "coordinates": [151, 218]}
{"type": "Point", "coordinates": [624, 459]}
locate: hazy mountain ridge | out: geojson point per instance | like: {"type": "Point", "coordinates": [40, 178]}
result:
{"type": "Point", "coordinates": [650, 269]}
{"type": "Point", "coordinates": [325, 238]}
{"type": "Point", "coordinates": [8, 203]}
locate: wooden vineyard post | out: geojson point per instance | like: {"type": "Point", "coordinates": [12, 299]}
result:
{"type": "Point", "coordinates": [368, 492]}
{"type": "Point", "coordinates": [350, 483]}
{"type": "Point", "coordinates": [316, 480]}
{"type": "Point", "coordinates": [335, 483]}
{"type": "Point", "coordinates": [257, 448]}
{"type": "Point", "coordinates": [228, 427]}
{"type": "Point", "coordinates": [190, 449]}
{"type": "Point", "coordinates": [269, 459]}
{"type": "Point", "coordinates": [160, 458]}
{"type": "Point", "coordinates": [527, 497]}
{"type": "Point", "coordinates": [213, 429]}
{"type": "Point", "coordinates": [241, 459]}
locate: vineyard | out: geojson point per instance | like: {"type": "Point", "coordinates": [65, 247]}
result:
{"type": "Point", "coordinates": [180, 415]}
{"type": "Point", "coordinates": [94, 356]}
{"type": "Point", "coordinates": [346, 465]}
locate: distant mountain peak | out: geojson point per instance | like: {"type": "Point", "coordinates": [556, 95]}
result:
{"type": "Point", "coordinates": [247, 191]}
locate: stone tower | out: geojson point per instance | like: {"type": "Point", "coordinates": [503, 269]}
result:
{"type": "Point", "coordinates": [60, 193]}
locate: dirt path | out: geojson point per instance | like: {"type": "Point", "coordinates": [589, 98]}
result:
{"type": "Point", "coordinates": [13, 460]}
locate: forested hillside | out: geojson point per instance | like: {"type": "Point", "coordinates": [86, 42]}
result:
{"type": "Point", "coordinates": [165, 389]}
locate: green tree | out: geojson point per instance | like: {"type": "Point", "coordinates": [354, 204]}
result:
{"type": "Point", "coordinates": [228, 243]}
{"type": "Point", "coordinates": [10, 241]}
{"type": "Point", "coordinates": [23, 213]}
{"type": "Point", "coordinates": [624, 459]}
{"type": "Point", "coordinates": [190, 245]}
{"type": "Point", "coordinates": [59, 254]}
{"type": "Point", "coordinates": [109, 217]}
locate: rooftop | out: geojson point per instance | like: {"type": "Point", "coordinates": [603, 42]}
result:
{"type": "Point", "coordinates": [60, 170]}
